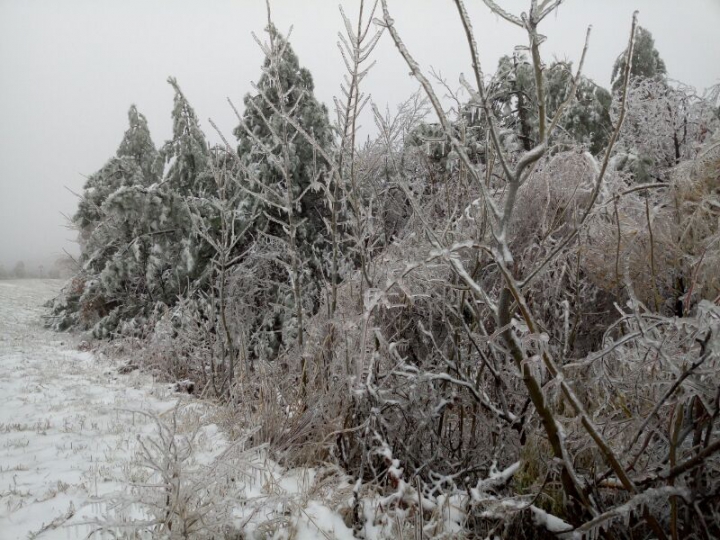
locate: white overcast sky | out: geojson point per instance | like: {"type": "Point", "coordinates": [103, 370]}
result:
{"type": "Point", "coordinates": [69, 70]}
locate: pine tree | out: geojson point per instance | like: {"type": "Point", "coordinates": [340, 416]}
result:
{"type": "Point", "coordinates": [585, 121]}
{"type": "Point", "coordinates": [136, 154]}
{"type": "Point", "coordinates": [139, 249]}
{"type": "Point", "coordinates": [118, 172]}
{"type": "Point", "coordinates": [107, 223]}
{"type": "Point", "coordinates": [285, 89]}
{"type": "Point", "coordinates": [138, 145]}
{"type": "Point", "coordinates": [186, 154]}
{"type": "Point", "coordinates": [136, 249]}
{"type": "Point", "coordinates": [646, 61]}
{"type": "Point", "coordinates": [283, 172]}
{"type": "Point", "coordinates": [177, 256]}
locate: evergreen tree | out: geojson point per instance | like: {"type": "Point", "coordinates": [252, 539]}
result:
{"type": "Point", "coordinates": [285, 89]}
{"type": "Point", "coordinates": [585, 121]}
{"type": "Point", "coordinates": [19, 270]}
{"type": "Point", "coordinates": [118, 172]}
{"type": "Point", "coordinates": [186, 154]}
{"type": "Point", "coordinates": [138, 145]}
{"type": "Point", "coordinates": [646, 61]}
{"type": "Point", "coordinates": [106, 229]}
{"type": "Point", "coordinates": [283, 171]}
{"type": "Point", "coordinates": [514, 86]}
{"type": "Point", "coordinates": [135, 164]}
{"type": "Point", "coordinates": [136, 245]}
{"type": "Point", "coordinates": [177, 256]}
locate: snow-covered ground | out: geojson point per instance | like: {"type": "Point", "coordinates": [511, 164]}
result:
{"type": "Point", "coordinates": [78, 444]}
{"type": "Point", "coordinates": [64, 438]}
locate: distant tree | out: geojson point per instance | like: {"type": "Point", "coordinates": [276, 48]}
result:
{"type": "Point", "coordinates": [585, 121]}
{"type": "Point", "coordinates": [646, 61]}
{"type": "Point", "coordinates": [666, 122]}
{"type": "Point", "coordinates": [19, 270]}
{"type": "Point", "coordinates": [65, 266]}
{"type": "Point", "coordinates": [4, 274]}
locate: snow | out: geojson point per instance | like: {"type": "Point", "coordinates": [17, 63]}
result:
{"type": "Point", "coordinates": [552, 523]}
{"type": "Point", "coordinates": [64, 436]}
{"type": "Point", "coordinates": [495, 478]}
{"type": "Point", "coordinates": [318, 521]}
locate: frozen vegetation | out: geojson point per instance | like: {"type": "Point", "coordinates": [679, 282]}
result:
{"type": "Point", "coordinates": [498, 317]}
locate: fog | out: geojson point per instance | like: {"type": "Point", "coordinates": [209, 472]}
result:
{"type": "Point", "coordinates": [70, 69]}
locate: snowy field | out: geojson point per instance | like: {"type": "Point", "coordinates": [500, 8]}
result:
{"type": "Point", "coordinates": [87, 452]}
{"type": "Point", "coordinates": [64, 438]}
